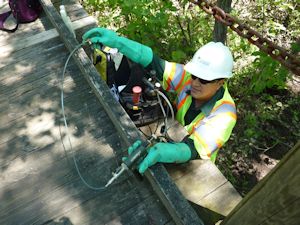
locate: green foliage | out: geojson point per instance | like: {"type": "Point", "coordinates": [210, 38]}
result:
{"type": "Point", "coordinates": [251, 120]}
{"type": "Point", "coordinates": [178, 56]}
{"type": "Point", "coordinates": [176, 29]}
{"type": "Point", "coordinates": [267, 73]}
{"type": "Point", "coordinates": [295, 48]}
{"type": "Point", "coordinates": [172, 29]}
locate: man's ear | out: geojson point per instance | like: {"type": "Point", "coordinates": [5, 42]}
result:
{"type": "Point", "coordinates": [220, 82]}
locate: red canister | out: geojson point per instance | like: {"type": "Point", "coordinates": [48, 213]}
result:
{"type": "Point", "coordinates": [137, 90]}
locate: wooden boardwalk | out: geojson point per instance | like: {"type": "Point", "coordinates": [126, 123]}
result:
{"type": "Point", "coordinates": [38, 181]}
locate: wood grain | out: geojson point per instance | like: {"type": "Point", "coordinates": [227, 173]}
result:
{"type": "Point", "coordinates": [275, 199]}
{"type": "Point", "coordinates": [202, 183]}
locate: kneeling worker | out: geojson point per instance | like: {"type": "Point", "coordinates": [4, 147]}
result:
{"type": "Point", "coordinates": [204, 105]}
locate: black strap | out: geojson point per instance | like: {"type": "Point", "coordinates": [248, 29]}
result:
{"type": "Point", "coordinates": [3, 18]}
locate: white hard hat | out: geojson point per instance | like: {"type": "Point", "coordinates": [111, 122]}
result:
{"type": "Point", "coordinates": [212, 61]}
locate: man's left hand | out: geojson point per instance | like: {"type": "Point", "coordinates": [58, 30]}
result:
{"type": "Point", "coordinates": [164, 153]}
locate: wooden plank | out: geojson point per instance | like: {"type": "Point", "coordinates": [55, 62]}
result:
{"type": "Point", "coordinates": [20, 58]}
{"type": "Point", "coordinates": [45, 71]}
{"type": "Point", "coordinates": [56, 167]}
{"type": "Point", "coordinates": [29, 125]}
{"type": "Point", "coordinates": [37, 120]}
{"type": "Point", "coordinates": [50, 199]}
{"type": "Point", "coordinates": [181, 212]}
{"type": "Point", "coordinates": [91, 121]}
{"type": "Point", "coordinates": [61, 200]}
{"type": "Point", "coordinates": [202, 183]}
{"type": "Point", "coordinates": [21, 146]}
{"type": "Point", "coordinates": [59, 170]}
{"type": "Point", "coordinates": [19, 43]}
{"type": "Point", "coordinates": [23, 112]}
{"type": "Point", "coordinates": [150, 212]}
{"type": "Point", "coordinates": [15, 118]}
{"type": "Point", "coordinates": [58, 190]}
{"type": "Point", "coordinates": [42, 84]}
{"type": "Point", "coordinates": [17, 87]}
{"type": "Point", "coordinates": [38, 134]}
{"type": "Point", "coordinates": [289, 215]}
{"type": "Point", "coordinates": [47, 66]}
{"type": "Point", "coordinates": [196, 190]}
{"type": "Point", "coordinates": [275, 199]}
{"type": "Point", "coordinates": [221, 200]}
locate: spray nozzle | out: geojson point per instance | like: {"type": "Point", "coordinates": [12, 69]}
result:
{"type": "Point", "coordinates": [87, 41]}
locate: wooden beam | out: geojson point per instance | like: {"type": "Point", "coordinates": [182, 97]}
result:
{"type": "Point", "coordinates": [177, 206]}
{"type": "Point", "coordinates": [275, 199]}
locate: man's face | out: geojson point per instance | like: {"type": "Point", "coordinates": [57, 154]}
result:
{"type": "Point", "coordinates": [203, 91]}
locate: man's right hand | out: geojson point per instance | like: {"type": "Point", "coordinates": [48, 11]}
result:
{"type": "Point", "coordinates": [101, 36]}
{"type": "Point", "coordinates": [133, 50]}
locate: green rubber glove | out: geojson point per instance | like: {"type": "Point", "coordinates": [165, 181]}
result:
{"type": "Point", "coordinates": [165, 153]}
{"type": "Point", "coordinates": [133, 50]}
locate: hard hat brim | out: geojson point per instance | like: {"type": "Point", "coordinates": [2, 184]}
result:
{"type": "Point", "coordinates": [204, 73]}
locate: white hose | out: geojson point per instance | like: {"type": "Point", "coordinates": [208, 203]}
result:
{"type": "Point", "coordinates": [164, 113]}
{"type": "Point", "coordinates": [159, 93]}
{"type": "Point", "coordinates": [168, 102]}
{"type": "Point", "coordinates": [66, 124]}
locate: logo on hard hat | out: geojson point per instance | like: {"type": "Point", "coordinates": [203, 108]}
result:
{"type": "Point", "coordinates": [204, 62]}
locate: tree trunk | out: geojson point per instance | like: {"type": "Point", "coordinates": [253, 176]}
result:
{"type": "Point", "coordinates": [220, 30]}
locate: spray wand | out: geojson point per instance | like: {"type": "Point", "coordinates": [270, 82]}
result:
{"type": "Point", "coordinates": [132, 161]}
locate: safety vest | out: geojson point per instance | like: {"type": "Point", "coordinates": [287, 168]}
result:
{"type": "Point", "coordinates": [209, 132]}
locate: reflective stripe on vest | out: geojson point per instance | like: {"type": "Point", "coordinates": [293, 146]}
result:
{"type": "Point", "coordinates": [174, 76]}
{"type": "Point", "coordinates": [211, 132]}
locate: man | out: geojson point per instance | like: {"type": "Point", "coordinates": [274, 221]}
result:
{"type": "Point", "coordinates": [204, 105]}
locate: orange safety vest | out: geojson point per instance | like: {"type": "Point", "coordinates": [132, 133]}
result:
{"type": "Point", "coordinates": [209, 132]}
